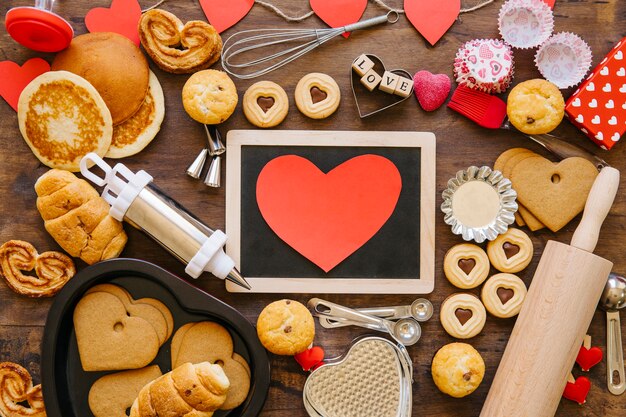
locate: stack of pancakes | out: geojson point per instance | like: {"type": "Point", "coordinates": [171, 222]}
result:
{"type": "Point", "coordinates": [99, 97]}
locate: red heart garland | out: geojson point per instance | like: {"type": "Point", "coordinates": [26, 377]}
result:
{"type": "Point", "coordinates": [588, 358]}
{"type": "Point", "coordinates": [550, 3]}
{"type": "Point", "coordinates": [310, 359]}
{"type": "Point", "coordinates": [432, 18]}
{"type": "Point", "coordinates": [338, 13]}
{"type": "Point", "coordinates": [223, 14]}
{"type": "Point", "coordinates": [430, 89]}
{"type": "Point", "coordinates": [122, 17]}
{"type": "Point", "coordinates": [578, 390]}
{"type": "Point", "coordinates": [13, 78]}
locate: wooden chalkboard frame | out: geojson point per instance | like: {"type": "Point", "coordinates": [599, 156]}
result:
{"type": "Point", "coordinates": [422, 284]}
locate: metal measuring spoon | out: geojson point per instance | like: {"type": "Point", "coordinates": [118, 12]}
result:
{"type": "Point", "coordinates": [405, 331]}
{"type": "Point", "coordinates": [613, 299]}
{"type": "Point", "coordinates": [421, 310]}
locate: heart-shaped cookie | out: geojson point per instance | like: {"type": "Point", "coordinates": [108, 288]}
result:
{"type": "Point", "coordinates": [372, 379]}
{"type": "Point", "coordinates": [18, 396]}
{"type": "Point", "coordinates": [368, 102]}
{"type": "Point", "coordinates": [122, 17]}
{"type": "Point", "coordinates": [554, 192]}
{"type": "Point", "coordinates": [108, 338]}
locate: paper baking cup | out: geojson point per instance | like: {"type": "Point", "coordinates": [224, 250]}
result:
{"type": "Point", "coordinates": [484, 65]}
{"type": "Point", "coordinates": [504, 217]}
{"type": "Point", "coordinates": [525, 23]}
{"type": "Point", "coordinates": [564, 59]}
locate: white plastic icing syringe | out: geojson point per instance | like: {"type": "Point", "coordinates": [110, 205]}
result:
{"type": "Point", "coordinates": [134, 199]}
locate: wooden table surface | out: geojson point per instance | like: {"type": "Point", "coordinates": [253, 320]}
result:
{"type": "Point", "coordinates": [460, 143]}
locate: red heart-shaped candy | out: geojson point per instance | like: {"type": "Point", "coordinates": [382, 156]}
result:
{"type": "Point", "coordinates": [431, 90]}
{"type": "Point", "coordinates": [588, 358]}
{"type": "Point", "coordinates": [310, 358]}
{"type": "Point", "coordinates": [13, 78]}
{"type": "Point", "coordinates": [122, 18]}
{"type": "Point", "coordinates": [578, 390]}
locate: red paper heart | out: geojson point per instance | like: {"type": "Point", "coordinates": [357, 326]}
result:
{"type": "Point", "coordinates": [578, 390]}
{"type": "Point", "coordinates": [431, 90]}
{"type": "Point", "coordinates": [550, 3]}
{"type": "Point", "coordinates": [122, 17]}
{"type": "Point", "coordinates": [13, 78]}
{"type": "Point", "coordinates": [310, 358]}
{"type": "Point", "coordinates": [223, 14]}
{"type": "Point", "coordinates": [338, 13]}
{"type": "Point", "coordinates": [588, 358]}
{"type": "Point", "coordinates": [432, 18]}
{"type": "Point", "coordinates": [327, 217]}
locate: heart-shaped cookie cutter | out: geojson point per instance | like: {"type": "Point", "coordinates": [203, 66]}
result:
{"type": "Point", "coordinates": [377, 64]}
{"type": "Point", "coordinates": [373, 369]}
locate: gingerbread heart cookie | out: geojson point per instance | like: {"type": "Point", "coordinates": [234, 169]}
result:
{"type": "Point", "coordinates": [554, 192]}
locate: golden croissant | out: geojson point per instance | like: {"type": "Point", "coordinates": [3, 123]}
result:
{"type": "Point", "coordinates": [187, 391]}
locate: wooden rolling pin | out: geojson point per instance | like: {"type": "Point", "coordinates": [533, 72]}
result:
{"type": "Point", "coordinates": [555, 316]}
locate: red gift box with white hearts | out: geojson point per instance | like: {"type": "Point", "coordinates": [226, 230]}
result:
{"type": "Point", "coordinates": [598, 106]}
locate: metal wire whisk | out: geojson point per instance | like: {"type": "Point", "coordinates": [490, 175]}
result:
{"type": "Point", "coordinates": [251, 40]}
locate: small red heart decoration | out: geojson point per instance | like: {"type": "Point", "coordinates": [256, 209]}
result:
{"type": "Point", "coordinates": [578, 390]}
{"type": "Point", "coordinates": [432, 18]}
{"type": "Point", "coordinates": [588, 358]}
{"type": "Point", "coordinates": [223, 14]}
{"type": "Point", "coordinates": [310, 358]}
{"type": "Point", "coordinates": [550, 3]}
{"type": "Point", "coordinates": [338, 13]}
{"type": "Point", "coordinates": [122, 17]}
{"type": "Point", "coordinates": [13, 78]}
{"type": "Point", "coordinates": [431, 89]}
{"type": "Point", "coordinates": [327, 216]}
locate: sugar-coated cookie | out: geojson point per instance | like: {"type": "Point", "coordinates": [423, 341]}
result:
{"type": "Point", "coordinates": [210, 96]}
{"type": "Point", "coordinates": [466, 265]}
{"type": "Point", "coordinates": [511, 251]}
{"type": "Point", "coordinates": [265, 104]}
{"type": "Point", "coordinates": [503, 295]}
{"type": "Point", "coordinates": [457, 369]}
{"type": "Point", "coordinates": [535, 106]}
{"type": "Point", "coordinates": [285, 327]}
{"type": "Point", "coordinates": [462, 315]}
{"type": "Point", "coordinates": [317, 95]}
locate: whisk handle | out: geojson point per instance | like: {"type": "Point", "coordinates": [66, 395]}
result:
{"type": "Point", "coordinates": [390, 17]}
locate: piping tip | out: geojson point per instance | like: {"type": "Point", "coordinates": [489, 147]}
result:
{"type": "Point", "coordinates": [216, 147]}
{"type": "Point", "coordinates": [195, 169]}
{"type": "Point", "coordinates": [213, 175]}
{"type": "Point", "coordinates": [235, 277]}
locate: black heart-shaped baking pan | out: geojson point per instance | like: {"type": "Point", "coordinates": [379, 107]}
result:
{"type": "Point", "coordinates": [66, 385]}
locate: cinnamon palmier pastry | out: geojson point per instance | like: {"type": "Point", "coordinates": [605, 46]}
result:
{"type": "Point", "coordinates": [53, 269]}
{"type": "Point", "coordinates": [176, 47]}
{"type": "Point", "coordinates": [16, 389]}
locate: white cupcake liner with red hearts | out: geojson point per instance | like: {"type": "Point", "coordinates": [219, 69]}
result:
{"type": "Point", "coordinates": [484, 65]}
{"type": "Point", "coordinates": [564, 59]}
{"type": "Point", "coordinates": [525, 23]}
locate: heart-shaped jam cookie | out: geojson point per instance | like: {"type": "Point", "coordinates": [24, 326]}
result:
{"type": "Point", "coordinates": [503, 295]}
{"type": "Point", "coordinates": [466, 265]}
{"type": "Point", "coordinates": [462, 315]}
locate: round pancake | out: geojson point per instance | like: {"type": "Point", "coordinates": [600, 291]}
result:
{"type": "Point", "coordinates": [114, 65]}
{"type": "Point", "coordinates": [62, 118]}
{"type": "Point", "coordinates": [131, 136]}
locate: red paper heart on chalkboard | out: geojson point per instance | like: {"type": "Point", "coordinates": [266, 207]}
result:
{"type": "Point", "coordinates": [122, 17]}
{"type": "Point", "coordinates": [13, 78]}
{"type": "Point", "coordinates": [577, 391]}
{"type": "Point", "coordinates": [432, 18]}
{"type": "Point", "coordinates": [338, 13]}
{"type": "Point", "coordinates": [588, 358]}
{"type": "Point", "coordinates": [310, 358]}
{"type": "Point", "coordinates": [223, 14]}
{"type": "Point", "coordinates": [327, 216]}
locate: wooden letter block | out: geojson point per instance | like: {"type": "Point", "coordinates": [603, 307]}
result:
{"type": "Point", "coordinates": [362, 64]}
{"type": "Point", "coordinates": [371, 80]}
{"type": "Point", "coordinates": [389, 82]}
{"type": "Point", "coordinates": [404, 86]}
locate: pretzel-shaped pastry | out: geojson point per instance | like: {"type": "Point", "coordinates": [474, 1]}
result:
{"type": "Point", "coordinates": [16, 386]}
{"type": "Point", "coordinates": [162, 33]}
{"type": "Point", "coordinates": [53, 269]}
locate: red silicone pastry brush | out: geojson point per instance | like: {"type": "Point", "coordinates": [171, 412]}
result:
{"type": "Point", "coordinates": [490, 111]}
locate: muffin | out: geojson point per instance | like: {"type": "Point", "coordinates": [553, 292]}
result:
{"type": "Point", "coordinates": [535, 107]}
{"type": "Point", "coordinates": [286, 327]}
{"type": "Point", "coordinates": [210, 96]}
{"type": "Point", "coordinates": [458, 369]}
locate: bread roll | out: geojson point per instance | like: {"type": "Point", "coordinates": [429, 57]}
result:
{"type": "Point", "coordinates": [78, 218]}
{"type": "Point", "coordinates": [187, 391]}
